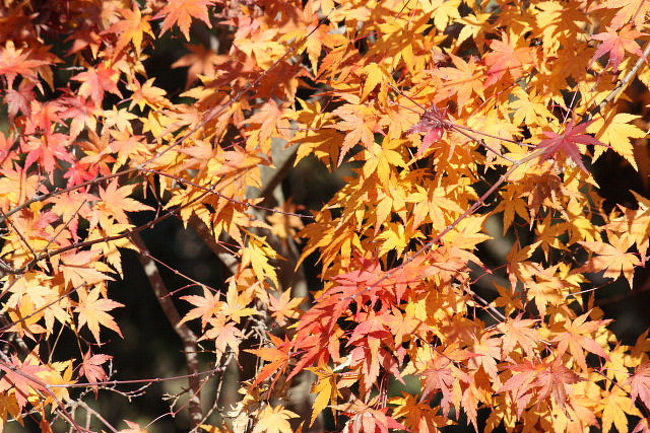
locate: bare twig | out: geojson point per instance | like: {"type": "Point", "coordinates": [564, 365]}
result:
{"type": "Point", "coordinates": [622, 85]}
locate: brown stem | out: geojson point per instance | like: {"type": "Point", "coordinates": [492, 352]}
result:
{"type": "Point", "coordinates": [623, 83]}
{"type": "Point", "coordinates": [186, 335]}
{"type": "Point", "coordinates": [205, 233]}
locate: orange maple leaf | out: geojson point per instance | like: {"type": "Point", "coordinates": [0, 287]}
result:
{"type": "Point", "coordinates": [181, 12]}
{"type": "Point", "coordinates": [80, 268]}
{"type": "Point", "coordinates": [520, 332]}
{"type": "Point", "coordinates": [277, 355]}
{"type": "Point", "coordinates": [462, 80]}
{"type": "Point", "coordinates": [613, 257]}
{"type": "Point", "coordinates": [576, 339]}
{"type": "Point", "coordinates": [96, 81]}
{"type": "Point", "coordinates": [206, 306]}
{"type": "Point", "coordinates": [116, 202]}
{"type": "Point", "coordinates": [284, 307]}
{"type": "Point", "coordinates": [506, 57]}
{"type": "Point", "coordinates": [224, 335]}
{"type": "Point", "coordinates": [131, 29]}
{"type": "Point", "coordinates": [93, 312]}
{"type": "Point", "coordinates": [14, 62]}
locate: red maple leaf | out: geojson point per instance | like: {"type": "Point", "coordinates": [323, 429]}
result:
{"type": "Point", "coordinates": [95, 82]}
{"type": "Point", "coordinates": [567, 142]}
{"type": "Point", "coordinates": [432, 125]}
{"type": "Point", "coordinates": [640, 384]}
{"type": "Point", "coordinates": [21, 376]}
{"type": "Point", "coordinates": [616, 44]}
{"type": "Point", "coordinates": [91, 368]}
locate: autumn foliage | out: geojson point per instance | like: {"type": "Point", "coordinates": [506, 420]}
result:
{"type": "Point", "coordinates": [451, 117]}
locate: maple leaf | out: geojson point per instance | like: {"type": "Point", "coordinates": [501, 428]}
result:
{"type": "Point", "coordinates": [376, 74]}
{"type": "Point", "coordinates": [613, 257]}
{"type": "Point", "coordinates": [83, 112]}
{"type": "Point", "coordinates": [433, 125]}
{"type": "Point", "coordinates": [617, 130]}
{"type": "Point", "coordinates": [224, 335]}
{"type": "Point", "coordinates": [356, 122]}
{"type": "Point", "coordinates": [439, 376]}
{"type": "Point", "coordinates": [419, 417]}
{"type": "Point", "coordinates": [115, 201]}
{"type": "Point", "coordinates": [81, 267]}
{"type": "Point", "coordinates": [274, 420]}
{"type": "Point", "coordinates": [567, 143]}
{"type": "Point", "coordinates": [576, 338]}
{"type": "Point", "coordinates": [488, 350]}
{"type": "Point", "coordinates": [206, 307]}
{"type": "Point", "coordinates": [325, 388]}
{"type": "Point", "coordinates": [91, 368]}
{"type": "Point", "coordinates": [131, 29]}
{"type": "Point", "coordinates": [148, 94]}
{"type": "Point", "coordinates": [14, 62]}
{"type": "Point", "coordinates": [506, 57]}
{"type": "Point", "coordinates": [18, 100]}
{"type": "Point", "coordinates": [201, 60]}
{"type": "Point", "coordinates": [554, 380]}
{"type": "Point", "coordinates": [529, 107]}
{"type": "Point", "coordinates": [44, 118]}
{"type": "Point", "coordinates": [462, 81]}
{"type": "Point", "coordinates": [617, 405]}
{"type": "Point", "coordinates": [616, 44]}
{"type": "Point", "coordinates": [96, 81]}
{"type": "Point", "coordinates": [520, 383]}
{"type": "Point", "coordinates": [119, 118]}
{"type": "Point", "coordinates": [277, 356]}
{"type": "Point", "coordinates": [284, 307]}
{"type": "Point", "coordinates": [48, 150]}
{"type": "Point", "coordinates": [236, 303]}
{"type": "Point", "coordinates": [367, 420]}
{"type": "Point", "coordinates": [93, 312]}
{"type": "Point", "coordinates": [519, 331]}
{"type": "Point", "coordinates": [20, 382]}
{"type": "Point", "coordinates": [258, 253]}
{"type": "Point", "coordinates": [640, 384]}
{"type": "Point", "coordinates": [181, 12]}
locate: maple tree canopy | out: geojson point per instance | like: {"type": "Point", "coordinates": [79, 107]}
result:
{"type": "Point", "coordinates": [460, 259]}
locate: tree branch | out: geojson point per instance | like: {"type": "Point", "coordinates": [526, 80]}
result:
{"type": "Point", "coordinates": [186, 335]}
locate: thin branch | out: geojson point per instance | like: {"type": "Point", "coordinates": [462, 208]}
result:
{"type": "Point", "coordinates": [622, 85]}
{"type": "Point", "coordinates": [40, 385]}
{"type": "Point", "coordinates": [107, 383]}
{"type": "Point", "coordinates": [186, 335]}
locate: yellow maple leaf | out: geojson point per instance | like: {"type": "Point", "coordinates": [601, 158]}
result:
{"type": "Point", "coordinates": [93, 311]}
{"type": "Point", "coordinates": [613, 257]}
{"type": "Point", "coordinates": [326, 389]}
{"type": "Point", "coordinates": [616, 405]}
{"type": "Point", "coordinates": [274, 420]}
{"type": "Point", "coordinates": [616, 130]}
{"type": "Point", "coordinates": [258, 253]}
